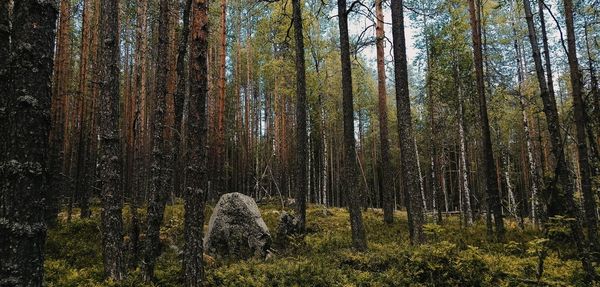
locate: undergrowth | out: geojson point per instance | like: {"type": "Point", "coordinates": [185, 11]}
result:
{"type": "Point", "coordinates": [454, 255]}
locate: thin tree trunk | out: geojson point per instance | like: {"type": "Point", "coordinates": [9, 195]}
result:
{"type": "Point", "coordinates": [159, 182]}
{"type": "Point", "coordinates": [535, 182]}
{"type": "Point", "coordinates": [386, 168]}
{"type": "Point", "coordinates": [549, 76]}
{"type": "Point", "coordinates": [359, 240]}
{"type": "Point", "coordinates": [405, 129]}
{"type": "Point", "coordinates": [62, 76]}
{"type": "Point", "coordinates": [595, 92]}
{"type": "Point", "coordinates": [179, 95]}
{"type": "Point", "coordinates": [195, 148]}
{"type": "Point", "coordinates": [579, 112]}
{"type": "Point", "coordinates": [435, 188]}
{"type": "Point", "coordinates": [493, 199]}
{"type": "Point", "coordinates": [84, 90]}
{"type": "Point", "coordinates": [301, 132]}
{"type": "Point", "coordinates": [563, 191]}
{"type": "Point", "coordinates": [468, 210]}
{"type": "Point", "coordinates": [29, 41]}
{"type": "Point", "coordinates": [421, 183]}
{"type": "Point", "coordinates": [137, 126]}
{"type": "Point", "coordinates": [512, 204]}
{"type": "Point", "coordinates": [220, 136]}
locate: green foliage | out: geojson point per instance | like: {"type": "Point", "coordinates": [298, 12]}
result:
{"type": "Point", "coordinates": [74, 255]}
{"type": "Point", "coordinates": [455, 256]}
{"type": "Point", "coordinates": [433, 231]}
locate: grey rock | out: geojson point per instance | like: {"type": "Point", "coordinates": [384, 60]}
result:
{"type": "Point", "coordinates": [236, 229]}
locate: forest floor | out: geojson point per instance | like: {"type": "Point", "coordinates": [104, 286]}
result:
{"type": "Point", "coordinates": [454, 256]}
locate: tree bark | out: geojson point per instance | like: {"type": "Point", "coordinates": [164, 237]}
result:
{"type": "Point", "coordinates": [493, 199]}
{"type": "Point", "coordinates": [405, 129]}
{"type": "Point", "coordinates": [219, 170]}
{"type": "Point", "coordinates": [26, 105]}
{"type": "Point", "coordinates": [563, 190]}
{"type": "Point", "coordinates": [62, 76]}
{"type": "Point", "coordinates": [589, 200]}
{"type": "Point", "coordinates": [434, 169]}
{"type": "Point", "coordinates": [110, 145]}
{"type": "Point", "coordinates": [81, 184]}
{"type": "Point", "coordinates": [359, 240]}
{"type": "Point", "coordinates": [549, 77]}
{"type": "Point", "coordinates": [595, 92]}
{"type": "Point", "coordinates": [533, 173]}
{"type": "Point", "coordinates": [301, 132]}
{"type": "Point", "coordinates": [195, 148]}
{"type": "Point", "coordinates": [386, 167]}
{"type": "Point", "coordinates": [5, 71]}
{"type": "Point", "coordinates": [179, 95]}
{"type": "Point", "coordinates": [159, 169]}
{"type": "Point", "coordinates": [137, 126]}
{"type": "Point", "coordinates": [468, 210]}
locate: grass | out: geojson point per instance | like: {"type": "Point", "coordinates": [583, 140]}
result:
{"type": "Point", "coordinates": [454, 255]}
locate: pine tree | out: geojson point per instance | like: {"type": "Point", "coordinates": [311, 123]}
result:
{"type": "Point", "coordinates": [110, 145]}
{"type": "Point", "coordinates": [195, 147]}
{"type": "Point", "coordinates": [386, 166]}
{"type": "Point", "coordinates": [159, 171]}
{"type": "Point", "coordinates": [359, 240]}
{"type": "Point", "coordinates": [492, 192]}
{"type": "Point", "coordinates": [301, 133]}
{"type": "Point", "coordinates": [405, 131]}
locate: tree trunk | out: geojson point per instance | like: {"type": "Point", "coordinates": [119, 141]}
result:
{"type": "Point", "coordinates": [179, 95]}
{"type": "Point", "coordinates": [62, 76]}
{"type": "Point", "coordinates": [84, 89]}
{"type": "Point", "coordinates": [29, 40]}
{"type": "Point", "coordinates": [468, 210]}
{"type": "Point", "coordinates": [195, 148]}
{"type": "Point", "coordinates": [535, 180]}
{"type": "Point", "coordinates": [137, 126]}
{"type": "Point", "coordinates": [386, 167]}
{"type": "Point", "coordinates": [493, 199]}
{"type": "Point", "coordinates": [579, 112]}
{"type": "Point", "coordinates": [405, 129]}
{"type": "Point", "coordinates": [110, 145]}
{"type": "Point", "coordinates": [219, 179]}
{"type": "Point", "coordinates": [595, 94]}
{"type": "Point", "coordinates": [359, 240]}
{"type": "Point", "coordinates": [434, 169]}
{"type": "Point", "coordinates": [421, 183]}
{"type": "Point", "coordinates": [5, 72]}
{"type": "Point", "coordinates": [563, 191]}
{"type": "Point", "coordinates": [546, 48]}
{"type": "Point", "coordinates": [301, 132]}
{"type": "Point", "coordinates": [159, 168]}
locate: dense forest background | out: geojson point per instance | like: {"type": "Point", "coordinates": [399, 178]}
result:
{"type": "Point", "coordinates": [492, 120]}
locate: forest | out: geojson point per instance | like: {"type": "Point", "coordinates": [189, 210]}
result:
{"type": "Point", "coordinates": [299, 142]}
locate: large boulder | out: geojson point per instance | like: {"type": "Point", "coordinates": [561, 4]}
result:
{"type": "Point", "coordinates": [236, 229]}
